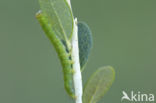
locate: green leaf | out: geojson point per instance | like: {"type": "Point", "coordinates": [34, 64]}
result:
{"type": "Point", "coordinates": [85, 43]}
{"type": "Point", "coordinates": [59, 15]}
{"type": "Point", "coordinates": [98, 84]}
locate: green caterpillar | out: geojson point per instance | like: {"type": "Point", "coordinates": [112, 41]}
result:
{"type": "Point", "coordinates": [62, 50]}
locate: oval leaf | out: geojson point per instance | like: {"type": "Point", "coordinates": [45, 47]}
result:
{"type": "Point", "coordinates": [60, 17]}
{"type": "Point", "coordinates": [98, 84]}
{"type": "Point", "coordinates": [85, 43]}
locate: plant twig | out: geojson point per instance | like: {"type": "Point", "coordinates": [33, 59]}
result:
{"type": "Point", "coordinates": [68, 1]}
{"type": "Point", "coordinates": [77, 78]}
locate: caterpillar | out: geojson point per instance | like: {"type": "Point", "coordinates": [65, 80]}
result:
{"type": "Point", "coordinates": [63, 52]}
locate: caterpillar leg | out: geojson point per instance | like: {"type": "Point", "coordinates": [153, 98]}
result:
{"type": "Point", "coordinates": [72, 71]}
{"type": "Point", "coordinates": [72, 62]}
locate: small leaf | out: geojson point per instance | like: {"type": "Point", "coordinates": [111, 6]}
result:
{"type": "Point", "coordinates": [98, 84]}
{"type": "Point", "coordinates": [59, 15]}
{"type": "Point", "coordinates": [85, 43]}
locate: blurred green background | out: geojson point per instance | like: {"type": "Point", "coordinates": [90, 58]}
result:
{"type": "Point", "coordinates": [124, 33]}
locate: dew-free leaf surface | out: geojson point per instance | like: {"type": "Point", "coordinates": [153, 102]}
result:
{"type": "Point", "coordinates": [98, 84]}
{"type": "Point", "coordinates": [85, 43]}
{"type": "Point", "coordinates": [60, 16]}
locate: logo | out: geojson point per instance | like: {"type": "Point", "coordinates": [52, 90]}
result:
{"type": "Point", "coordinates": [137, 97]}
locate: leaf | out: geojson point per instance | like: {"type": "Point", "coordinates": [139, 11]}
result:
{"type": "Point", "coordinates": [59, 15]}
{"type": "Point", "coordinates": [98, 84]}
{"type": "Point", "coordinates": [85, 43]}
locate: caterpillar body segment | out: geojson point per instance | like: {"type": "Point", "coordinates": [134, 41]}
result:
{"type": "Point", "coordinates": [63, 53]}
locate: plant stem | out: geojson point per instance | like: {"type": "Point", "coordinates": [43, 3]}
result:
{"type": "Point", "coordinates": [77, 78]}
{"type": "Point", "coordinates": [69, 3]}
